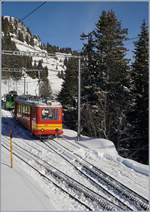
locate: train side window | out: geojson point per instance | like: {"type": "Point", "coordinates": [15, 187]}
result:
{"type": "Point", "coordinates": [20, 109]}
{"type": "Point", "coordinates": [23, 109]}
{"type": "Point", "coordinates": [28, 110]}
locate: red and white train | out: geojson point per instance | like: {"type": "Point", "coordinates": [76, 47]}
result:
{"type": "Point", "coordinates": [41, 117]}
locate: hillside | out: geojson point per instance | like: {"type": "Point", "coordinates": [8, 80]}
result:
{"type": "Point", "coordinates": [16, 36]}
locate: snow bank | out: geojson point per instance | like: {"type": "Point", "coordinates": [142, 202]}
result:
{"type": "Point", "coordinates": [98, 148]}
{"type": "Point", "coordinates": [94, 148]}
{"type": "Point", "coordinates": [138, 167]}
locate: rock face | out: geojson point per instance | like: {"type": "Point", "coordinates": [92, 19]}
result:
{"type": "Point", "coordinates": [23, 39]}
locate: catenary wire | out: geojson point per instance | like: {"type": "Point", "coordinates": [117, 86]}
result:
{"type": "Point", "coordinates": [30, 13]}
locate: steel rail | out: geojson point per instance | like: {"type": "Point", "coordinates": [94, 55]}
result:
{"type": "Point", "coordinates": [49, 180]}
{"type": "Point", "coordinates": [67, 178]}
{"type": "Point", "coordinates": [78, 167]}
{"type": "Point", "coordinates": [143, 202]}
{"type": "Point", "coordinates": [127, 193]}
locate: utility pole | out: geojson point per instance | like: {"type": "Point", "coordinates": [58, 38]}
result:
{"type": "Point", "coordinates": [24, 76]}
{"type": "Point", "coordinates": [8, 85]}
{"type": "Point", "coordinates": [79, 98]}
{"type": "Point", "coordinates": [39, 81]}
{"type": "Point", "coordinates": [27, 88]}
{"type": "Point", "coordinates": [24, 85]}
{"type": "Point", "coordinates": [16, 87]}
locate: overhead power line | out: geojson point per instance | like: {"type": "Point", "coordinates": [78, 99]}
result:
{"type": "Point", "coordinates": [39, 54]}
{"type": "Point", "coordinates": [30, 13]}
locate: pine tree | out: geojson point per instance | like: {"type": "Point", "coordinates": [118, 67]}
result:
{"type": "Point", "coordinates": [28, 30]}
{"type": "Point", "coordinates": [31, 41]}
{"type": "Point", "coordinates": [7, 44]}
{"type": "Point", "coordinates": [20, 36]}
{"type": "Point", "coordinates": [27, 39]}
{"type": "Point", "coordinates": [107, 69]}
{"type": "Point", "coordinates": [44, 73]}
{"type": "Point", "coordinates": [40, 64]}
{"type": "Point", "coordinates": [16, 24]}
{"type": "Point", "coordinates": [11, 29]}
{"type": "Point", "coordinates": [5, 25]}
{"type": "Point", "coordinates": [69, 87]}
{"type": "Point", "coordinates": [68, 94]}
{"type": "Point", "coordinates": [138, 115]}
{"type": "Point", "coordinates": [88, 67]}
{"type": "Point", "coordinates": [45, 88]}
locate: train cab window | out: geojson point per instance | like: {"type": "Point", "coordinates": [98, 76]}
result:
{"type": "Point", "coordinates": [49, 114]}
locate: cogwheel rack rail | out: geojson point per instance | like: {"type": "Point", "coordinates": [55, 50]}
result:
{"type": "Point", "coordinates": [74, 188]}
{"type": "Point", "coordinates": [89, 170]}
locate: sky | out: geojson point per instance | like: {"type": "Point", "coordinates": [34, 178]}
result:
{"type": "Point", "coordinates": [61, 23]}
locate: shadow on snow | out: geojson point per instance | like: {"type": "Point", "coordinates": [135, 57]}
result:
{"type": "Point", "coordinates": [18, 131]}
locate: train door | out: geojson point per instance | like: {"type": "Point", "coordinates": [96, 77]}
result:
{"type": "Point", "coordinates": [33, 118]}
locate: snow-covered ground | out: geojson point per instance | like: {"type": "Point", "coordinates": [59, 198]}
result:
{"type": "Point", "coordinates": [18, 191]}
{"type": "Point", "coordinates": [32, 193]}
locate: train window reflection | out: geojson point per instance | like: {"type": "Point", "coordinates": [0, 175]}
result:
{"type": "Point", "coordinates": [49, 114]}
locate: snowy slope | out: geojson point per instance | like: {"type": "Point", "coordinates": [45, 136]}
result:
{"type": "Point", "coordinates": [100, 152]}
{"type": "Point", "coordinates": [54, 64]}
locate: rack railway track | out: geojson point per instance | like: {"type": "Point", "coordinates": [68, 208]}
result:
{"type": "Point", "coordinates": [129, 198]}
{"type": "Point", "coordinates": [74, 189]}
{"type": "Point", "coordinates": [101, 178]}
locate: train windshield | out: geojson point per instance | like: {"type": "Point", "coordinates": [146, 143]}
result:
{"type": "Point", "coordinates": [49, 114]}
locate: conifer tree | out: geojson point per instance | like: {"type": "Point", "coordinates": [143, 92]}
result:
{"type": "Point", "coordinates": [45, 88]}
{"type": "Point", "coordinates": [108, 76]}
{"type": "Point", "coordinates": [68, 94]}
{"type": "Point", "coordinates": [20, 36]}
{"type": "Point", "coordinates": [16, 24]}
{"type": "Point", "coordinates": [5, 25]}
{"type": "Point", "coordinates": [11, 29]}
{"type": "Point", "coordinates": [31, 41]}
{"type": "Point", "coordinates": [69, 88]}
{"type": "Point", "coordinates": [27, 39]}
{"type": "Point", "coordinates": [88, 67]}
{"type": "Point", "coordinates": [7, 44]}
{"type": "Point", "coordinates": [138, 115]}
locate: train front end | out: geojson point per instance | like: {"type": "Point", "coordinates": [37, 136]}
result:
{"type": "Point", "coordinates": [48, 120]}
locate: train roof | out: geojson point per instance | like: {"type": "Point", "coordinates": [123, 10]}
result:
{"type": "Point", "coordinates": [37, 101]}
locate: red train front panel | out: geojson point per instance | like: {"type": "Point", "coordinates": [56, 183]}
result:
{"type": "Point", "coordinates": [46, 121]}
